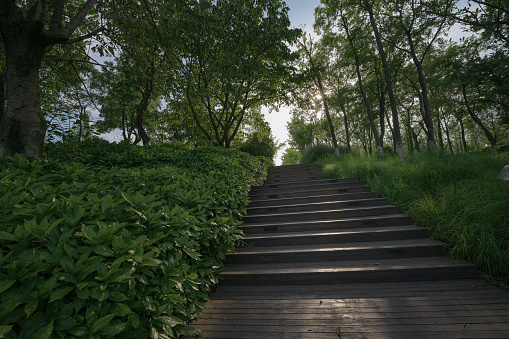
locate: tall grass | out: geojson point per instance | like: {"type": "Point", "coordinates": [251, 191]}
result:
{"type": "Point", "coordinates": [457, 197]}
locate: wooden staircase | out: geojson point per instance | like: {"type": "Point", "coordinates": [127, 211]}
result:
{"type": "Point", "coordinates": [303, 229]}
{"type": "Point", "coordinates": [330, 259]}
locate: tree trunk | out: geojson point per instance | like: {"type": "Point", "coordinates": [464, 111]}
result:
{"type": "Point", "coordinates": [491, 138]}
{"type": "Point", "coordinates": [347, 129]}
{"type": "Point", "coordinates": [374, 129]}
{"type": "Point", "coordinates": [22, 126]}
{"type": "Point", "coordinates": [448, 135]}
{"type": "Point", "coordinates": [440, 135]}
{"type": "Point", "coordinates": [395, 119]}
{"type": "Point", "coordinates": [142, 108]}
{"type": "Point", "coordinates": [378, 141]}
{"type": "Point", "coordinates": [424, 92]}
{"type": "Point", "coordinates": [463, 139]}
{"type": "Point", "coordinates": [2, 94]}
{"type": "Point", "coordinates": [327, 113]}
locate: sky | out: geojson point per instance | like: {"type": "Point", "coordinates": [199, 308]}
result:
{"type": "Point", "coordinates": [301, 16]}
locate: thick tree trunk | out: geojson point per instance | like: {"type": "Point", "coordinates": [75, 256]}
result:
{"type": "Point", "coordinates": [22, 126]}
{"type": "Point", "coordinates": [395, 118]}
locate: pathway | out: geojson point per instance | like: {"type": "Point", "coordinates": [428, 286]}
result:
{"type": "Point", "coordinates": [330, 259]}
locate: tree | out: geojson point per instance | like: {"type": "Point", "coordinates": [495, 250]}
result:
{"type": "Point", "coordinates": [235, 57]}
{"type": "Point", "coordinates": [29, 30]}
{"type": "Point", "coordinates": [301, 132]}
{"type": "Point", "coordinates": [420, 29]}
{"type": "Point", "coordinates": [355, 45]}
{"type": "Point", "coordinates": [315, 71]}
{"type": "Point", "coordinates": [368, 7]}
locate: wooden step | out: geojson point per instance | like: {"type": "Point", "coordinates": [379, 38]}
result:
{"type": "Point", "coordinates": [336, 236]}
{"type": "Point", "coordinates": [349, 271]}
{"type": "Point", "coordinates": [319, 206]}
{"type": "Point", "coordinates": [333, 224]}
{"type": "Point", "coordinates": [333, 252]}
{"type": "Point", "coordinates": [322, 215]}
{"type": "Point", "coordinates": [310, 191]}
{"type": "Point", "coordinates": [305, 188]}
{"type": "Point", "coordinates": [301, 183]}
{"type": "Point", "coordinates": [314, 199]}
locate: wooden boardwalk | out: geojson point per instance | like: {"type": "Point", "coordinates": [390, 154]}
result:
{"type": "Point", "coordinates": [331, 259]}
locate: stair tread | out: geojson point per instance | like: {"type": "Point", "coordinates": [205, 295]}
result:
{"type": "Point", "coordinates": [331, 197]}
{"type": "Point", "coordinates": [315, 204]}
{"type": "Point", "coordinates": [305, 234]}
{"type": "Point", "coordinates": [325, 221]}
{"type": "Point", "coordinates": [306, 182]}
{"type": "Point", "coordinates": [346, 265]}
{"type": "Point", "coordinates": [371, 245]}
{"type": "Point", "coordinates": [294, 214]}
{"type": "Point", "coordinates": [305, 188]}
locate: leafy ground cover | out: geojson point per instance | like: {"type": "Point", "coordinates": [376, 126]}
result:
{"type": "Point", "coordinates": [113, 240]}
{"type": "Point", "coordinates": [458, 197]}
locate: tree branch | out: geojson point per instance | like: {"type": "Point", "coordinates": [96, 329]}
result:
{"type": "Point", "coordinates": [77, 60]}
{"type": "Point", "coordinates": [78, 19]}
{"type": "Point", "coordinates": [58, 13]}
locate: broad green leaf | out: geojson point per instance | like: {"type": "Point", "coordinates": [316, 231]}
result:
{"type": "Point", "coordinates": [121, 309]}
{"type": "Point", "coordinates": [78, 331]}
{"type": "Point", "coordinates": [104, 321]}
{"type": "Point", "coordinates": [31, 306]}
{"type": "Point", "coordinates": [7, 236]}
{"type": "Point", "coordinates": [103, 250]}
{"type": "Point", "coordinates": [110, 331]}
{"type": "Point", "coordinates": [5, 284]}
{"type": "Point", "coordinates": [169, 321]}
{"type": "Point", "coordinates": [45, 332]}
{"type": "Point", "coordinates": [4, 329]}
{"type": "Point", "coordinates": [60, 293]}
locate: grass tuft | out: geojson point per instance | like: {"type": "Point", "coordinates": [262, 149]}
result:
{"type": "Point", "coordinates": [457, 197]}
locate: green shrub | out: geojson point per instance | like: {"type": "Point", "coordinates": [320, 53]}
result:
{"type": "Point", "coordinates": [458, 197]}
{"type": "Point", "coordinates": [126, 242]}
{"type": "Point", "coordinates": [315, 153]}
{"type": "Point", "coordinates": [260, 144]}
{"type": "Point", "coordinates": [291, 156]}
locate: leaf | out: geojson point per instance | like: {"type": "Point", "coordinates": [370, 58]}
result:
{"type": "Point", "coordinates": [89, 233]}
{"type": "Point", "coordinates": [121, 309]}
{"type": "Point", "coordinates": [103, 250]}
{"type": "Point", "coordinates": [4, 329]}
{"type": "Point", "coordinates": [78, 331]}
{"type": "Point", "coordinates": [102, 322]}
{"type": "Point", "coordinates": [48, 286]}
{"type": "Point", "coordinates": [110, 331]}
{"type": "Point", "coordinates": [7, 236]}
{"type": "Point", "coordinates": [60, 293]}
{"type": "Point", "coordinates": [5, 284]}
{"type": "Point", "coordinates": [170, 321]}
{"type": "Point", "coordinates": [45, 332]}
{"type": "Point", "coordinates": [190, 252]}
{"type": "Point", "coordinates": [31, 306]}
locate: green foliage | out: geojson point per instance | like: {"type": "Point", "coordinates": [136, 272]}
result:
{"type": "Point", "coordinates": [458, 197]}
{"type": "Point", "coordinates": [260, 144]}
{"type": "Point", "coordinates": [115, 240]}
{"type": "Point", "coordinates": [291, 156]}
{"type": "Point", "coordinates": [315, 153]}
